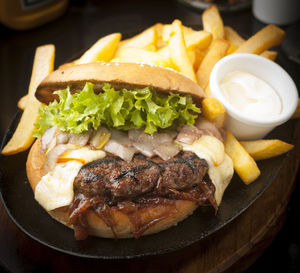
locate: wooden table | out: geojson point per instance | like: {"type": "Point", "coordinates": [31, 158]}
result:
{"type": "Point", "coordinates": [231, 249]}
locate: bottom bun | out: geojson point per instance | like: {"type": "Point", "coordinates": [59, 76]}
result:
{"type": "Point", "coordinates": [155, 218]}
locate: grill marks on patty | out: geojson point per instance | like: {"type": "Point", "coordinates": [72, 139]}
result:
{"type": "Point", "coordinates": [115, 178]}
{"type": "Point", "coordinates": [129, 187]}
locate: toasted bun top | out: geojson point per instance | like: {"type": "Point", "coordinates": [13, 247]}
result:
{"type": "Point", "coordinates": [119, 75]}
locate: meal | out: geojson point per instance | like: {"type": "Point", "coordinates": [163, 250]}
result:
{"type": "Point", "coordinates": [129, 140]}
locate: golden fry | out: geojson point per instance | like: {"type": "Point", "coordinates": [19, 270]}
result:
{"type": "Point", "coordinates": [243, 163]}
{"type": "Point", "coordinates": [264, 39]}
{"type": "Point", "coordinates": [266, 148]}
{"type": "Point", "coordinates": [214, 111]}
{"type": "Point", "coordinates": [159, 32]}
{"type": "Point", "coordinates": [22, 102]}
{"type": "Point", "coordinates": [145, 40]}
{"type": "Point", "coordinates": [42, 66]}
{"type": "Point", "coordinates": [212, 22]}
{"type": "Point", "coordinates": [271, 55]}
{"type": "Point", "coordinates": [103, 50]}
{"type": "Point", "coordinates": [233, 38]}
{"type": "Point", "coordinates": [199, 56]}
{"type": "Point", "coordinates": [198, 39]}
{"type": "Point", "coordinates": [178, 52]}
{"type": "Point", "coordinates": [217, 51]}
{"type": "Point", "coordinates": [139, 55]}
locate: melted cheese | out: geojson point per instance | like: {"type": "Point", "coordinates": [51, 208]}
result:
{"type": "Point", "coordinates": [56, 188]}
{"type": "Point", "coordinates": [83, 155]}
{"type": "Point", "coordinates": [220, 164]}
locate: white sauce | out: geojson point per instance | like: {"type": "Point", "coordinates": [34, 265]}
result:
{"type": "Point", "coordinates": [251, 95]}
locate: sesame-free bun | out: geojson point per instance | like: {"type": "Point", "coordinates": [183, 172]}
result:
{"type": "Point", "coordinates": [119, 75]}
{"type": "Point", "coordinates": [123, 226]}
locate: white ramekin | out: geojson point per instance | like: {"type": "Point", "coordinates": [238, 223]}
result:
{"type": "Point", "coordinates": [247, 127]}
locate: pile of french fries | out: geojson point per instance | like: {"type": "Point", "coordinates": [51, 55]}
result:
{"type": "Point", "coordinates": [190, 52]}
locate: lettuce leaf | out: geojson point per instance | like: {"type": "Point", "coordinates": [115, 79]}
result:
{"type": "Point", "coordinates": [121, 109]}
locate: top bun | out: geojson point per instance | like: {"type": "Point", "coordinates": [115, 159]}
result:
{"type": "Point", "coordinates": [119, 75]}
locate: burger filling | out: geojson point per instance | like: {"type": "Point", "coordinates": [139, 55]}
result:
{"type": "Point", "coordinates": [158, 154]}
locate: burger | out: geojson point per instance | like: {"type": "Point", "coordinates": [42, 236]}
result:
{"type": "Point", "coordinates": [123, 151]}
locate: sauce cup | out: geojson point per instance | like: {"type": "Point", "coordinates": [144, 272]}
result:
{"type": "Point", "coordinates": [248, 127]}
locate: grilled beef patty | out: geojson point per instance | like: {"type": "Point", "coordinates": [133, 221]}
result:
{"type": "Point", "coordinates": [116, 178]}
{"type": "Point", "coordinates": [112, 183]}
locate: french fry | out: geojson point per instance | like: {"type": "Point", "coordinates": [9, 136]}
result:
{"type": "Point", "coordinates": [168, 32]}
{"type": "Point", "coordinates": [266, 148]}
{"type": "Point", "coordinates": [22, 102]}
{"type": "Point", "coordinates": [297, 111]}
{"type": "Point", "coordinates": [178, 52]}
{"type": "Point", "coordinates": [42, 66]}
{"type": "Point", "coordinates": [214, 111]}
{"type": "Point", "coordinates": [217, 51]}
{"type": "Point", "coordinates": [233, 38]}
{"type": "Point", "coordinates": [264, 39]}
{"type": "Point", "coordinates": [145, 40]}
{"type": "Point", "coordinates": [271, 55]}
{"type": "Point", "coordinates": [139, 55]}
{"type": "Point", "coordinates": [103, 50]}
{"type": "Point", "coordinates": [207, 91]}
{"type": "Point", "coordinates": [192, 56]}
{"type": "Point", "coordinates": [160, 43]}
{"type": "Point", "coordinates": [243, 163]}
{"type": "Point", "coordinates": [200, 39]}
{"type": "Point", "coordinates": [212, 22]}
{"type": "Point", "coordinates": [199, 56]}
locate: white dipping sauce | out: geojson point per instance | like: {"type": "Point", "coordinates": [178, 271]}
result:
{"type": "Point", "coordinates": [251, 95]}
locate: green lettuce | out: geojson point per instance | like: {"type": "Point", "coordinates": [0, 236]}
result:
{"type": "Point", "coordinates": [121, 109]}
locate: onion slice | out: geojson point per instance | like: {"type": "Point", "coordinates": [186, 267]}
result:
{"type": "Point", "coordinates": [210, 129]}
{"type": "Point", "coordinates": [118, 149]}
{"type": "Point", "coordinates": [80, 139]}
{"type": "Point", "coordinates": [47, 137]}
{"type": "Point", "coordinates": [167, 150]}
{"type": "Point", "coordinates": [188, 134]}
{"type": "Point", "coordinates": [55, 153]}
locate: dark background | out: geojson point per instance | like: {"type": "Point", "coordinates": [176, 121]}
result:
{"type": "Point", "coordinates": [80, 27]}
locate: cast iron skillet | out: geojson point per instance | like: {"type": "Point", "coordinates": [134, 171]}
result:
{"type": "Point", "coordinates": [17, 197]}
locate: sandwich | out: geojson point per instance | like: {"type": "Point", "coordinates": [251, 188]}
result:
{"type": "Point", "coordinates": [122, 150]}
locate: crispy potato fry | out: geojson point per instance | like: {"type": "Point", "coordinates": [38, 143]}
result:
{"type": "Point", "coordinates": [192, 56]}
{"type": "Point", "coordinates": [214, 111]}
{"type": "Point", "coordinates": [145, 40]}
{"type": "Point", "coordinates": [197, 39]}
{"type": "Point", "coordinates": [243, 163]}
{"type": "Point", "coordinates": [212, 22]}
{"type": "Point", "coordinates": [266, 148]}
{"type": "Point", "coordinates": [42, 66]}
{"type": "Point", "coordinates": [233, 38]}
{"type": "Point", "coordinates": [178, 52]}
{"type": "Point", "coordinates": [217, 51]}
{"type": "Point", "coordinates": [297, 111]}
{"type": "Point", "coordinates": [22, 102]}
{"type": "Point", "coordinates": [103, 50]}
{"type": "Point", "coordinates": [139, 55]}
{"type": "Point", "coordinates": [160, 43]}
{"type": "Point", "coordinates": [168, 31]}
{"type": "Point", "coordinates": [271, 55]}
{"type": "Point", "coordinates": [207, 91]}
{"type": "Point", "coordinates": [199, 56]}
{"type": "Point", "coordinates": [264, 39]}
